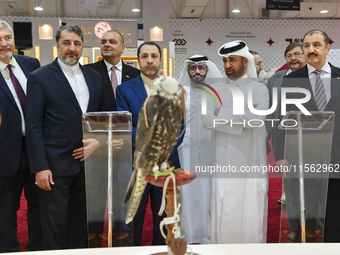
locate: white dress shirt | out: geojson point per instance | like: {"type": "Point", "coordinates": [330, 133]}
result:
{"type": "Point", "coordinates": [76, 78]}
{"type": "Point", "coordinates": [19, 74]}
{"type": "Point", "coordinates": [118, 70]}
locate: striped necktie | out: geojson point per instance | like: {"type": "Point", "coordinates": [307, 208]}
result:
{"type": "Point", "coordinates": [320, 93]}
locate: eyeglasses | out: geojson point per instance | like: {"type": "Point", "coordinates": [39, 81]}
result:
{"type": "Point", "coordinates": [199, 67]}
{"type": "Point", "coordinates": [296, 55]}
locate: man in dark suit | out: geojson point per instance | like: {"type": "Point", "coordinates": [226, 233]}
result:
{"type": "Point", "coordinates": [325, 97]}
{"type": "Point", "coordinates": [58, 94]}
{"type": "Point", "coordinates": [14, 168]}
{"type": "Point", "coordinates": [130, 97]}
{"type": "Point", "coordinates": [112, 47]}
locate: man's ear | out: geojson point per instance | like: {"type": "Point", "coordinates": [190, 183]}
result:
{"type": "Point", "coordinates": [328, 48]}
{"type": "Point", "coordinates": [123, 48]}
{"type": "Point", "coordinates": [245, 61]}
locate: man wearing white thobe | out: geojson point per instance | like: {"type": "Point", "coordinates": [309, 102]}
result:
{"type": "Point", "coordinates": [197, 75]}
{"type": "Point", "coordinates": [238, 200]}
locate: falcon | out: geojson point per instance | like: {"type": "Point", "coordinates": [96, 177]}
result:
{"type": "Point", "coordinates": [158, 129]}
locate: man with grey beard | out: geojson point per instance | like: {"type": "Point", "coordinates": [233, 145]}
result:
{"type": "Point", "coordinates": [14, 169]}
{"type": "Point", "coordinates": [57, 96]}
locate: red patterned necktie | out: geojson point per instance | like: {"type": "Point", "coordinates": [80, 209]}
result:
{"type": "Point", "coordinates": [114, 81]}
{"type": "Point", "coordinates": [18, 89]}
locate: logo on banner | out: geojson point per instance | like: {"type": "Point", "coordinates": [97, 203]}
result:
{"type": "Point", "coordinates": [239, 106]}
{"type": "Point", "coordinates": [291, 40]}
{"type": "Point", "coordinates": [239, 100]}
{"type": "Point", "coordinates": [204, 100]}
{"type": "Point", "coordinates": [179, 42]}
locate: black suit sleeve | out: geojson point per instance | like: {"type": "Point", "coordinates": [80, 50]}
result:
{"type": "Point", "coordinates": [35, 107]}
{"type": "Point", "coordinates": [280, 135]}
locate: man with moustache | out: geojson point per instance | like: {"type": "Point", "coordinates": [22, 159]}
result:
{"type": "Point", "coordinates": [130, 97]}
{"type": "Point", "coordinates": [258, 62]}
{"type": "Point", "coordinates": [295, 60]}
{"type": "Point", "coordinates": [14, 167]}
{"type": "Point", "coordinates": [197, 73]}
{"type": "Point", "coordinates": [113, 70]}
{"type": "Point", "coordinates": [238, 200]}
{"type": "Point", "coordinates": [57, 96]}
{"type": "Point", "coordinates": [258, 65]}
{"type": "Point", "coordinates": [322, 80]}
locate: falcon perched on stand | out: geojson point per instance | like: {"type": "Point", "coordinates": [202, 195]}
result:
{"type": "Point", "coordinates": [158, 129]}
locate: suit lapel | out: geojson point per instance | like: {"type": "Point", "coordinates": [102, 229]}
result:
{"type": "Point", "coordinates": [305, 83]}
{"type": "Point", "coordinates": [102, 69]}
{"type": "Point", "coordinates": [24, 65]}
{"type": "Point", "coordinates": [125, 73]}
{"type": "Point", "coordinates": [139, 89]}
{"type": "Point", "coordinates": [335, 84]}
{"type": "Point", "coordinates": [3, 85]}
{"type": "Point", "coordinates": [90, 85]}
{"type": "Point", "coordinates": [59, 76]}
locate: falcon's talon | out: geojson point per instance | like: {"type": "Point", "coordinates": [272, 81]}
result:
{"type": "Point", "coordinates": [164, 166]}
{"type": "Point", "coordinates": [165, 172]}
{"type": "Point", "coordinates": [155, 168]}
{"type": "Point", "coordinates": [177, 170]}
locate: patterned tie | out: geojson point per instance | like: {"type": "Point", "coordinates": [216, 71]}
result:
{"type": "Point", "coordinates": [114, 81]}
{"type": "Point", "coordinates": [18, 89]}
{"type": "Point", "coordinates": [320, 93]}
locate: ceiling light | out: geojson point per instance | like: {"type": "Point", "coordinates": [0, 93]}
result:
{"type": "Point", "coordinates": [236, 10]}
{"type": "Point", "coordinates": [323, 11]}
{"type": "Point", "coordinates": [135, 9]}
{"type": "Point", "coordinates": [38, 8]}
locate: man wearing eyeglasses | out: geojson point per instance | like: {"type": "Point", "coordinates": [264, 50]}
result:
{"type": "Point", "coordinates": [197, 73]}
{"type": "Point", "coordinates": [258, 62]}
{"type": "Point", "coordinates": [295, 60]}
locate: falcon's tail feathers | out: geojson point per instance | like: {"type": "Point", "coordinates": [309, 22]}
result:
{"type": "Point", "coordinates": [130, 187]}
{"type": "Point", "coordinates": [136, 196]}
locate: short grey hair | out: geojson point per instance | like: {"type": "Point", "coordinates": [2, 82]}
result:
{"type": "Point", "coordinates": [4, 24]}
{"type": "Point", "coordinates": [69, 28]}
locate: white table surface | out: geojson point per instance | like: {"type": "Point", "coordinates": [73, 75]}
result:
{"type": "Point", "coordinates": [218, 249]}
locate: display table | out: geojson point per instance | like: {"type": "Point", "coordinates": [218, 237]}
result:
{"type": "Point", "coordinates": [218, 249]}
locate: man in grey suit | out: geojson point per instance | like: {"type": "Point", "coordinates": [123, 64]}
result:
{"type": "Point", "coordinates": [295, 60]}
